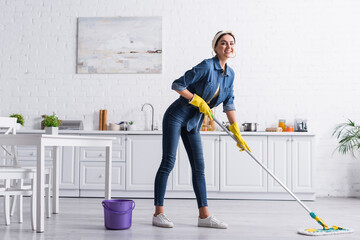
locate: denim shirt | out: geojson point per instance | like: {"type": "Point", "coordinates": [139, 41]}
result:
{"type": "Point", "coordinates": [204, 80]}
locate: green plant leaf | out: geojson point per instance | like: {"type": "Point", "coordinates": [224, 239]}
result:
{"type": "Point", "coordinates": [348, 135]}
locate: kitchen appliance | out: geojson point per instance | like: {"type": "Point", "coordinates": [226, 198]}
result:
{"type": "Point", "coordinates": [250, 127]}
{"type": "Point", "coordinates": [300, 125]}
{"type": "Point", "coordinates": [71, 125]}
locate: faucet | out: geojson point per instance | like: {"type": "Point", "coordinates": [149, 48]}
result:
{"type": "Point", "coordinates": [152, 114]}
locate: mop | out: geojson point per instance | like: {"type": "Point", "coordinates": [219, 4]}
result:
{"type": "Point", "coordinates": [308, 231]}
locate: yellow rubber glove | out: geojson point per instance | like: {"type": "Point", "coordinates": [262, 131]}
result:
{"type": "Point", "coordinates": [234, 128]}
{"type": "Point", "coordinates": [202, 105]}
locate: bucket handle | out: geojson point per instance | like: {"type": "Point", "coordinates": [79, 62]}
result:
{"type": "Point", "coordinates": [123, 212]}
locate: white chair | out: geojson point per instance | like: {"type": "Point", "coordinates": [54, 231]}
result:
{"type": "Point", "coordinates": [7, 176]}
{"type": "Point", "coordinates": [10, 125]}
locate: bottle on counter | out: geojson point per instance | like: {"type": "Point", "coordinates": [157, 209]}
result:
{"type": "Point", "coordinates": [282, 124]}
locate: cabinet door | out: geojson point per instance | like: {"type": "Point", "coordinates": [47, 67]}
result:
{"type": "Point", "coordinates": [238, 171]}
{"type": "Point", "coordinates": [182, 176]}
{"type": "Point", "coordinates": [69, 168]}
{"type": "Point", "coordinates": [143, 158]}
{"type": "Point", "coordinates": [302, 169]}
{"type": "Point", "coordinates": [279, 162]}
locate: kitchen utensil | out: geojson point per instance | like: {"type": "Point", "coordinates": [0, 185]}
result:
{"type": "Point", "coordinates": [250, 127]}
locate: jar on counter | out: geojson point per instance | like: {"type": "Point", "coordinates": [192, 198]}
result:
{"type": "Point", "coordinates": [282, 124]}
{"type": "Point", "coordinates": [289, 128]}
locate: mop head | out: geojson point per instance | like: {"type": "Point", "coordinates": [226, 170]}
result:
{"type": "Point", "coordinates": [329, 231]}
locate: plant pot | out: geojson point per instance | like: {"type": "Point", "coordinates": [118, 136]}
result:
{"type": "Point", "coordinates": [131, 127]}
{"type": "Point", "coordinates": [18, 126]}
{"type": "Point", "coordinates": [52, 130]}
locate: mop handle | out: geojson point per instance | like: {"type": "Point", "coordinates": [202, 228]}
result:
{"type": "Point", "coordinates": [265, 168]}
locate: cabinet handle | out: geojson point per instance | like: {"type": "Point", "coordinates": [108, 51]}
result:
{"type": "Point", "coordinates": [100, 176]}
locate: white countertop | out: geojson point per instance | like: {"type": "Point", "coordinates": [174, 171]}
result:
{"type": "Point", "coordinates": [222, 133]}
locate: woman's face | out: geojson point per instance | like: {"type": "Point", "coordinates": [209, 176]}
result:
{"type": "Point", "coordinates": [225, 47]}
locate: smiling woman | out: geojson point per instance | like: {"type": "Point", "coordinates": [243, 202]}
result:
{"type": "Point", "coordinates": [205, 86]}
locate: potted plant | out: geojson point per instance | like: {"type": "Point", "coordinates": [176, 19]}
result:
{"type": "Point", "coordinates": [51, 124]}
{"type": "Point", "coordinates": [131, 126]}
{"type": "Point", "coordinates": [348, 135]}
{"type": "Point", "coordinates": [20, 119]}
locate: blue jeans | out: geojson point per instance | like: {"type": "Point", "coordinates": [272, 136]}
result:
{"type": "Point", "coordinates": [174, 126]}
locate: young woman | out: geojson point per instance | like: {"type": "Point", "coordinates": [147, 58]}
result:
{"type": "Point", "coordinates": [203, 87]}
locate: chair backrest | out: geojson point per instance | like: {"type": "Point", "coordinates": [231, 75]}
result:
{"type": "Point", "coordinates": [9, 124]}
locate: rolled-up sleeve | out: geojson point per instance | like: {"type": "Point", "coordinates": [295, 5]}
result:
{"type": "Point", "coordinates": [228, 104]}
{"type": "Point", "coordinates": [190, 77]}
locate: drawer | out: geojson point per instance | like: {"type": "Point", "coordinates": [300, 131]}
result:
{"type": "Point", "coordinates": [98, 154]}
{"type": "Point", "coordinates": [29, 153]}
{"type": "Point", "coordinates": [92, 175]}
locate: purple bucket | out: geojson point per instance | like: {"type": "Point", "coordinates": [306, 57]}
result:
{"type": "Point", "coordinates": [118, 213]}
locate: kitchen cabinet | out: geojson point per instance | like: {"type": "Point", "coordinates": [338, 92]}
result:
{"type": "Point", "coordinates": [92, 168]}
{"type": "Point", "coordinates": [238, 171]}
{"type": "Point", "coordinates": [229, 173]}
{"type": "Point", "coordinates": [290, 159]}
{"type": "Point", "coordinates": [69, 172]}
{"type": "Point", "coordinates": [143, 158]}
{"type": "Point", "coordinates": [92, 176]}
{"type": "Point", "coordinates": [182, 176]}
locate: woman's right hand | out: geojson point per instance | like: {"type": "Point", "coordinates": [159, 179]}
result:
{"type": "Point", "coordinates": [202, 105]}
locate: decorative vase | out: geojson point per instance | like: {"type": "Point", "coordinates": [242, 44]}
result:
{"type": "Point", "coordinates": [52, 130]}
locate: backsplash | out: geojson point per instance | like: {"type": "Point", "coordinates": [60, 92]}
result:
{"type": "Point", "coordinates": [294, 60]}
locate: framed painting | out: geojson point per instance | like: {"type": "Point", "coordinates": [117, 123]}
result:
{"type": "Point", "coordinates": [119, 45]}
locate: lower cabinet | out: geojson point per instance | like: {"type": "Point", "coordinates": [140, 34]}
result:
{"type": "Point", "coordinates": [143, 158]}
{"type": "Point", "coordinates": [92, 176]}
{"type": "Point", "coordinates": [229, 173]}
{"type": "Point", "coordinates": [182, 175]}
{"type": "Point", "coordinates": [69, 171]}
{"type": "Point", "coordinates": [290, 159]}
{"type": "Point", "coordinates": [238, 171]}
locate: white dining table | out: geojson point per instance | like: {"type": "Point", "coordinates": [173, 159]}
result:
{"type": "Point", "coordinates": [57, 141]}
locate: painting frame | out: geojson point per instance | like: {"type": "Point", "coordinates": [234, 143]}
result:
{"type": "Point", "coordinates": [119, 45]}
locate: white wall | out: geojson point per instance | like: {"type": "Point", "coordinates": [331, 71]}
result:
{"type": "Point", "coordinates": [295, 59]}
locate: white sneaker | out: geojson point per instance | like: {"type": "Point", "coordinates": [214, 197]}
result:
{"type": "Point", "coordinates": [162, 221]}
{"type": "Point", "coordinates": [211, 222]}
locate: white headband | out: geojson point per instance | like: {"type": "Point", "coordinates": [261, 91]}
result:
{"type": "Point", "coordinates": [218, 35]}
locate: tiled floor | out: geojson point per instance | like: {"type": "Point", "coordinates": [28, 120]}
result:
{"type": "Point", "coordinates": [82, 218]}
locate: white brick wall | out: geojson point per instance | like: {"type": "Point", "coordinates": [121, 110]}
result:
{"type": "Point", "coordinates": [294, 59]}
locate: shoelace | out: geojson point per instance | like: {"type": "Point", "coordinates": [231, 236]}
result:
{"type": "Point", "coordinates": [163, 217]}
{"type": "Point", "coordinates": [214, 220]}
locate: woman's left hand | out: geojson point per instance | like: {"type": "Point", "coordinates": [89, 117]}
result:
{"type": "Point", "coordinates": [234, 128]}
